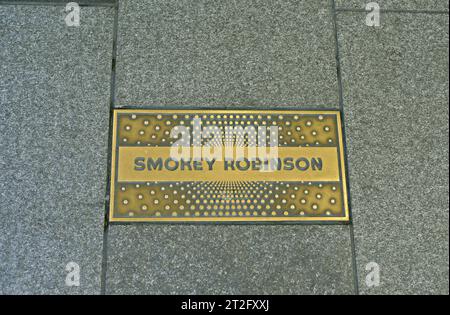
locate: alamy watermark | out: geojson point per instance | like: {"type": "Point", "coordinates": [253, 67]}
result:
{"type": "Point", "coordinates": [373, 17]}
{"type": "Point", "coordinates": [73, 14]}
{"type": "Point", "coordinates": [373, 277]}
{"type": "Point", "coordinates": [73, 274]}
{"type": "Point", "coordinates": [236, 147]}
{"type": "Point", "coordinates": [229, 143]}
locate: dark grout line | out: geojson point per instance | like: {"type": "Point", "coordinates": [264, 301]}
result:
{"type": "Point", "coordinates": [354, 260]}
{"type": "Point", "coordinates": [107, 4]}
{"type": "Point", "coordinates": [341, 108]}
{"type": "Point", "coordinates": [108, 167]}
{"type": "Point", "coordinates": [355, 10]}
{"type": "Point", "coordinates": [234, 223]}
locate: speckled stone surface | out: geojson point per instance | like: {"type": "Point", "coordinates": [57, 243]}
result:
{"type": "Point", "coordinates": [226, 54]}
{"type": "Point", "coordinates": [396, 4]}
{"type": "Point", "coordinates": [54, 109]}
{"type": "Point", "coordinates": [395, 81]}
{"type": "Point", "coordinates": [245, 259]}
{"type": "Point", "coordinates": [60, 2]}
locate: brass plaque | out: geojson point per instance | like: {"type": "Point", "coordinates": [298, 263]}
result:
{"type": "Point", "coordinates": [232, 166]}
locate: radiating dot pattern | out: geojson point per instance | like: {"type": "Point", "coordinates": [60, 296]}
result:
{"type": "Point", "coordinates": [235, 199]}
{"type": "Point", "coordinates": [293, 129]}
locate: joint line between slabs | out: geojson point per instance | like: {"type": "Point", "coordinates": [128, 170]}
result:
{"type": "Point", "coordinates": [104, 266]}
{"type": "Point", "coordinates": [342, 110]}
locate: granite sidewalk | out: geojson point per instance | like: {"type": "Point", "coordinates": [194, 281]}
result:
{"type": "Point", "coordinates": [59, 84]}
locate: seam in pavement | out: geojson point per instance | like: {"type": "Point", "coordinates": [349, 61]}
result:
{"type": "Point", "coordinates": [58, 3]}
{"type": "Point", "coordinates": [356, 10]}
{"type": "Point", "coordinates": [108, 167]}
{"type": "Point", "coordinates": [341, 108]}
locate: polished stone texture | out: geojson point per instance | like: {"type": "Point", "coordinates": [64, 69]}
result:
{"type": "Point", "coordinates": [54, 109]}
{"type": "Point", "coordinates": [395, 81]}
{"type": "Point", "coordinates": [226, 54]}
{"type": "Point", "coordinates": [431, 5]}
{"type": "Point", "coordinates": [61, 2]}
{"type": "Point", "coordinates": [55, 89]}
{"type": "Point", "coordinates": [226, 259]}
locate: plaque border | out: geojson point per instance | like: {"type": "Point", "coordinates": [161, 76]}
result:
{"type": "Point", "coordinates": [233, 220]}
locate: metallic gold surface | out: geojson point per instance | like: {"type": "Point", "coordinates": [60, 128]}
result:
{"type": "Point", "coordinates": [217, 193]}
{"type": "Point", "coordinates": [330, 173]}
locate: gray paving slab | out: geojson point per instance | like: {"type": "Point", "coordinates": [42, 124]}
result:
{"type": "Point", "coordinates": [54, 109]}
{"type": "Point", "coordinates": [433, 5]}
{"type": "Point", "coordinates": [226, 54]}
{"type": "Point", "coordinates": [245, 259]}
{"type": "Point", "coordinates": [395, 82]}
{"type": "Point", "coordinates": [59, 2]}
